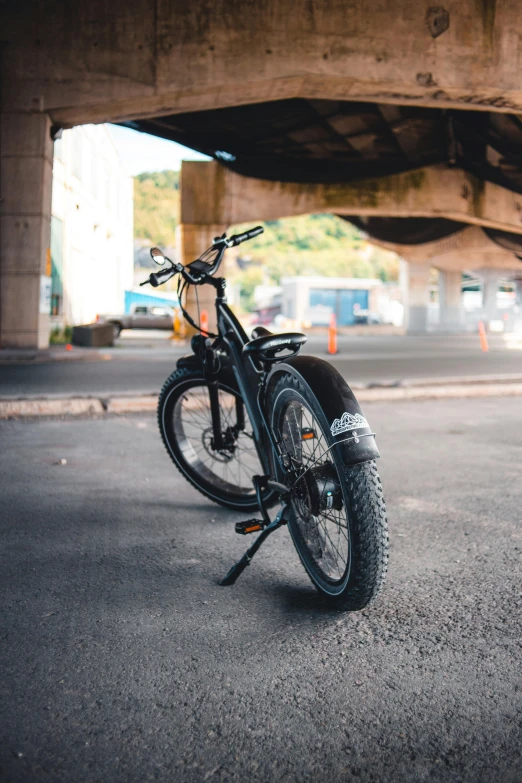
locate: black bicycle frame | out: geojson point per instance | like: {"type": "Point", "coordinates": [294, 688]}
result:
{"type": "Point", "coordinates": [250, 381]}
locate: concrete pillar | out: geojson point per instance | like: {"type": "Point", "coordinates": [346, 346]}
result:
{"type": "Point", "coordinates": [192, 241]}
{"type": "Point", "coordinates": [415, 284]}
{"type": "Point", "coordinates": [490, 279]}
{"type": "Point", "coordinates": [203, 202]}
{"type": "Point", "coordinates": [518, 293]}
{"type": "Point", "coordinates": [26, 164]}
{"type": "Point", "coordinates": [450, 300]}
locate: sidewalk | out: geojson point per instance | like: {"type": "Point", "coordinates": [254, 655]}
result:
{"type": "Point", "coordinates": [146, 401]}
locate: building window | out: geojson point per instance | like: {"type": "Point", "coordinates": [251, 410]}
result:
{"type": "Point", "coordinates": [77, 153]}
{"type": "Point", "coordinates": [56, 266]}
{"type": "Point", "coordinates": [107, 187]}
{"type": "Point", "coordinates": [58, 148]}
{"type": "Point", "coordinates": [94, 171]}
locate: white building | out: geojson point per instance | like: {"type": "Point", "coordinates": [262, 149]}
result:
{"type": "Point", "coordinates": [91, 227]}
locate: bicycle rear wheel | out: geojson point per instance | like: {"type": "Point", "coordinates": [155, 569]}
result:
{"type": "Point", "coordinates": [337, 519]}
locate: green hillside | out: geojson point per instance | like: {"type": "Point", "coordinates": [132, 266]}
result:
{"type": "Point", "coordinates": [156, 206]}
{"type": "Point", "coordinates": [306, 245]}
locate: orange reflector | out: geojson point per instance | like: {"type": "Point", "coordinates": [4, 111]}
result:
{"type": "Point", "coordinates": [252, 529]}
{"type": "Point", "coordinates": [307, 434]}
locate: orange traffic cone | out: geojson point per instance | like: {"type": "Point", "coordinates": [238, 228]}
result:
{"type": "Point", "coordinates": [483, 337]}
{"type": "Point", "coordinates": [332, 335]}
{"type": "Point", "coordinates": [204, 322]}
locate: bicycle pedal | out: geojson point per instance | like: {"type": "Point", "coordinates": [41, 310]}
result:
{"type": "Point", "coordinates": [249, 526]}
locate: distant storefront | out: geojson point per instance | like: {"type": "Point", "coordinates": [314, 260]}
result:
{"type": "Point", "coordinates": [315, 299]}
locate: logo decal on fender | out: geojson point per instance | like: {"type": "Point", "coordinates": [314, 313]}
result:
{"type": "Point", "coordinates": [348, 422]}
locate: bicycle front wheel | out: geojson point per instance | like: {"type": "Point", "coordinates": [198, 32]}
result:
{"type": "Point", "coordinates": [185, 423]}
{"type": "Point", "coordinates": [337, 514]}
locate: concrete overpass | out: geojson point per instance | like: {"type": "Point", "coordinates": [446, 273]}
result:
{"type": "Point", "coordinates": [372, 111]}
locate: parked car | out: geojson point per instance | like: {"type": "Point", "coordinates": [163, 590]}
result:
{"type": "Point", "coordinates": [141, 317]}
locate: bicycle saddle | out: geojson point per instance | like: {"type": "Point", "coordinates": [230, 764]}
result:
{"type": "Point", "coordinates": [269, 345]}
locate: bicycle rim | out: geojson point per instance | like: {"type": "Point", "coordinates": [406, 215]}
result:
{"type": "Point", "coordinates": [320, 526]}
{"type": "Point", "coordinates": [227, 471]}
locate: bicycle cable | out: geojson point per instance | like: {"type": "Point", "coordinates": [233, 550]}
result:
{"type": "Point", "coordinates": [182, 288]}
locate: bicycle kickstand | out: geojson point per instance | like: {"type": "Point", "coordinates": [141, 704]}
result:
{"type": "Point", "coordinates": [253, 525]}
{"type": "Point", "coordinates": [240, 566]}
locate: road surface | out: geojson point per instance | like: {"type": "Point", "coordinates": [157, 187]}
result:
{"type": "Point", "coordinates": [123, 660]}
{"type": "Point", "coordinates": [362, 360]}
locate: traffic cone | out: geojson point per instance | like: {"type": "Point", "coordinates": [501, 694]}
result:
{"type": "Point", "coordinates": [176, 325]}
{"type": "Point", "coordinates": [204, 322]}
{"type": "Point", "coordinates": [332, 335]}
{"type": "Point", "coordinates": [483, 337]}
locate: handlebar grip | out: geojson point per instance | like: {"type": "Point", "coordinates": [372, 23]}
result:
{"type": "Point", "coordinates": [157, 278]}
{"type": "Point", "coordinates": [250, 234]}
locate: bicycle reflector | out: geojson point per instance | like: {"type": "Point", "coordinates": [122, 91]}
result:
{"type": "Point", "coordinates": [307, 433]}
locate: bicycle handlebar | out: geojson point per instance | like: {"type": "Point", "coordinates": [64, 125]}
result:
{"type": "Point", "coordinates": [250, 234]}
{"type": "Point", "coordinates": [220, 245]}
{"type": "Point", "coordinates": [158, 278]}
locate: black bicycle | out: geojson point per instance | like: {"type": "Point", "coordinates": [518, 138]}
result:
{"type": "Point", "coordinates": [250, 424]}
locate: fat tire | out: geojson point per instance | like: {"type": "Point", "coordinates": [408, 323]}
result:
{"type": "Point", "coordinates": [184, 374]}
{"type": "Point", "coordinates": [366, 516]}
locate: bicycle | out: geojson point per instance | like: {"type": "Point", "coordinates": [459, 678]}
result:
{"type": "Point", "coordinates": [250, 423]}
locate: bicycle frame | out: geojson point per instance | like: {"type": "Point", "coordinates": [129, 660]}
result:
{"type": "Point", "coordinates": [249, 377]}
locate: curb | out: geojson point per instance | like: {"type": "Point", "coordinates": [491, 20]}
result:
{"type": "Point", "coordinates": [56, 407]}
{"type": "Point", "coordinates": [146, 403]}
{"type": "Point", "coordinates": [456, 391]}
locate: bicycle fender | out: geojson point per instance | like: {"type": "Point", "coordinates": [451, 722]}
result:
{"type": "Point", "coordinates": [225, 375]}
{"type": "Point", "coordinates": [347, 423]}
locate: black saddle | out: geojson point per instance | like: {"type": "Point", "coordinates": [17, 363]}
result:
{"type": "Point", "coordinates": [266, 346]}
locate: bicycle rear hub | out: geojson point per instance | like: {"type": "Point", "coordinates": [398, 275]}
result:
{"type": "Point", "coordinates": [324, 490]}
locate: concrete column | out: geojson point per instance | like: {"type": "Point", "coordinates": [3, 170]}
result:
{"type": "Point", "coordinates": [415, 284]}
{"type": "Point", "coordinates": [192, 241]}
{"type": "Point", "coordinates": [202, 205]}
{"type": "Point", "coordinates": [490, 279]}
{"type": "Point", "coordinates": [26, 164]}
{"type": "Point", "coordinates": [450, 300]}
{"type": "Point", "coordinates": [518, 293]}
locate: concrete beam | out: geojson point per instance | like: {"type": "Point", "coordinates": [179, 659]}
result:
{"type": "Point", "coordinates": [436, 191]}
{"type": "Point", "coordinates": [93, 62]}
{"type": "Point", "coordinates": [467, 250]}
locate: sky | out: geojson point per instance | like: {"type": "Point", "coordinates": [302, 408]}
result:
{"type": "Point", "coordinates": [140, 152]}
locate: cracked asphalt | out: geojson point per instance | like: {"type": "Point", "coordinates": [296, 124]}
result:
{"type": "Point", "coordinates": [123, 660]}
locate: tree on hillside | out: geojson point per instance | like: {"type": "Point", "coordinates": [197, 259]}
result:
{"type": "Point", "coordinates": [156, 206]}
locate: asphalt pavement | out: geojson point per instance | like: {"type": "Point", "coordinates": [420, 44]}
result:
{"type": "Point", "coordinates": [123, 660]}
{"type": "Point", "coordinates": [135, 366]}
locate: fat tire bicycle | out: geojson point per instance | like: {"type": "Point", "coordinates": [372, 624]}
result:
{"type": "Point", "coordinates": [252, 424]}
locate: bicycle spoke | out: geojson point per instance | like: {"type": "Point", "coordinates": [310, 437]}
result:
{"type": "Point", "coordinates": [326, 533]}
{"type": "Point", "coordinates": [229, 469]}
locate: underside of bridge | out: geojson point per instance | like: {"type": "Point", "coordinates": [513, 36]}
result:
{"type": "Point", "coordinates": [326, 141]}
{"type": "Point", "coordinates": [405, 118]}
{"type": "Point", "coordinates": [343, 143]}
